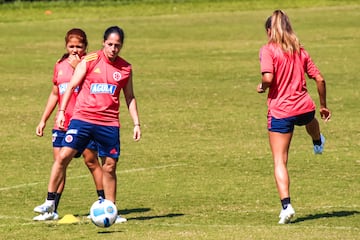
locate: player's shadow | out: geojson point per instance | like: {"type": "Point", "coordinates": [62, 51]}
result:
{"type": "Point", "coordinates": [121, 212]}
{"type": "Point", "coordinates": [325, 215]}
{"type": "Point", "coordinates": [134, 210]}
{"type": "Point", "coordinates": [142, 218]}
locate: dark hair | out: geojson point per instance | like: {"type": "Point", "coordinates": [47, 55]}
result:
{"type": "Point", "coordinates": [268, 23]}
{"type": "Point", "coordinates": [116, 30]}
{"type": "Point", "coordinates": [75, 33]}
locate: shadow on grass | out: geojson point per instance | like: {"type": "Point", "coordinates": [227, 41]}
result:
{"type": "Point", "coordinates": [134, 210]}
{"type": "Point", "coordinates": [170, 215]}
{"type": "Point", "coordinates": [109, 232]}
{"type": "Point", "coordinates": [326, 215]}
{"type": "Point", "coordinates": [142, 218]}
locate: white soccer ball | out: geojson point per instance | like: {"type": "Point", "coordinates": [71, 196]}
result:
{"type": "Point", "coordinates": [103, 213]}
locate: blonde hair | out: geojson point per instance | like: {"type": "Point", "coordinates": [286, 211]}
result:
{"type": "Point", "coordinates": [282, 33]}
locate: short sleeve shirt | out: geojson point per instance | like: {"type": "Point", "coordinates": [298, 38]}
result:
{"type": "Point", "coordinates": [288, 95]}
{"type": "Point", "coordinates": [63, 72]}
{"type": "Point", "coordinates": [98, 100]}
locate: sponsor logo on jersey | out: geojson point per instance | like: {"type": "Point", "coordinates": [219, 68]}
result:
{"type": "Point", "coordinates": [99, 88]}
{"type": "Point", "coordinates": [117, 76]}
{"type": "Point", "coordinates": [63, 86]}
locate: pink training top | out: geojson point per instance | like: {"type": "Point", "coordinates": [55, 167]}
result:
{"type": "Point", "coordinates": [98, 100]}
{"type": "Point", "coordinates": [288, 95]}
{"type": "Point", "coordinates": [63, 72]}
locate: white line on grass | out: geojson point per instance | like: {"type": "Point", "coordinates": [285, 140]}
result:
{"type": "Point", "coordinates": [83, 176]}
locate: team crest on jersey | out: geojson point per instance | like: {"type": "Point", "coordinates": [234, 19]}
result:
{"type": "Point", "coordinates": [62, 88]}
{"type": "Point", "coordinates": [99, 88]}
{"type": "Point", "coordinates": [69, 138]}
{"type": "Point", "coordinates": [117, 76]}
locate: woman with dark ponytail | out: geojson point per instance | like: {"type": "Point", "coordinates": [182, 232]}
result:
{"type": "Point", "coordinates": [75, 44]}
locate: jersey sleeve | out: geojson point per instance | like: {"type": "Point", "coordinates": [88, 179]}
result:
{"type": "Point", "coordinates": [91, 60]}
{"type": "Point", "coordinates": [266, 60]}
{"type": "Point", "coordinates": [309, 66]}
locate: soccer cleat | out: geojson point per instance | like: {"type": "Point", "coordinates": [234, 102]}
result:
{"type": "Point", "coordinates": [318, 149]}
{"type": "Point", "coordinates": [286, 214]}
{"type": "Point", "coordinates": [47, 216]}
{"type": "Point", "coordinates": [46, 207]}
{"type": "Point", "coordinates": [120, 219]}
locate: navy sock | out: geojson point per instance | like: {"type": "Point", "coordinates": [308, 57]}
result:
{"type": "Point", "coordinates": [51, 195]}
{"type": "Point", "coordinates": [101, 193]}
{"type": "Point", "coordinates": [285, 202]}
{"type": "Point", "coordinates": [57, 200]}
{"type": "Point", "coordinates": [317, 142]}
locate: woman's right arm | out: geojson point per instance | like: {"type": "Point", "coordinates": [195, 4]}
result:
{"type": "Point", "coordinates": [321, 87]}
{"type": "Point", "coordinates": [50, 106]}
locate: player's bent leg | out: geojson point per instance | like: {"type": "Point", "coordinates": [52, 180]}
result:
{"type": "Point", "coordinates": [313, 129]}
{"type": "Point", "coordinates": [92, 162]}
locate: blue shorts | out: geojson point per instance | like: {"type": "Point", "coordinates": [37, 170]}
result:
{"type": "Point", "coordinates": [58, 137]}
{"type": "Point", "coordinates": [286, 125]}
{"type": "Point", "coordinates": [81, 133]}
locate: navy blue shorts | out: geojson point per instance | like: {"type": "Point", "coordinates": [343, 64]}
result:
{"type": "Point", "coordinates": [286, 125]}
{"type": "Point", "coordinates": [58, 137]}
{"type": "Point", "coordinates": [81, 133]}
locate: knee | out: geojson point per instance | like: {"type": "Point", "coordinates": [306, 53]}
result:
{"type": "Point", "coordinates": [64, 158]}
{"type": "Point", "coordinates": [109, 166]}
{"type": "Point", "coordinates": [92, 163]}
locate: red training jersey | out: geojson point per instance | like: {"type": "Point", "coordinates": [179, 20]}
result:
{"type": "Point", "coordinates": [63, 72]}
{"type": "Point", "coordinates": [288, 95]}
{"type": "Point", "coordinates": [98, 100]}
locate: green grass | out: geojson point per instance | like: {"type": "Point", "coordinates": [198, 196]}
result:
{"type": "Point", "coordinates": [203, 168]}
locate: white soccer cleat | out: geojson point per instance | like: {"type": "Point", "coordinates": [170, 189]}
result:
{"type": "Point", "coordinates": [120, 219]}
{"type": "Point", "coordinates": [286, 214]}
{"type": "Point", "coordinates": [47, 216]}
{"type": "Point", "coordinates": [46, 207]}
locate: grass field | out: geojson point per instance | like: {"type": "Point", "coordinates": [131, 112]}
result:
{"type": "Point", "coordinates": [203, 169]}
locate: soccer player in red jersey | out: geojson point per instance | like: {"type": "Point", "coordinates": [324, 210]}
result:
{"type": "Point", "coordinates": [75, 44]}
{"type": "Point", "coordinates": [284, 63]}
{"type": "Point", "coordinates": [102, 75]}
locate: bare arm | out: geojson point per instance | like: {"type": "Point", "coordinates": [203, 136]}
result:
{"type": "Point", "coordinates": [321, 87]}
{"type": "Point", "coordinates": [50, 106]}
{"type": "Point", "coordinates": [266, 81]}
{"type": "Point", "coordinates": [131, 104]}
{"type": "Point", "coordinates": [75, 81]}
